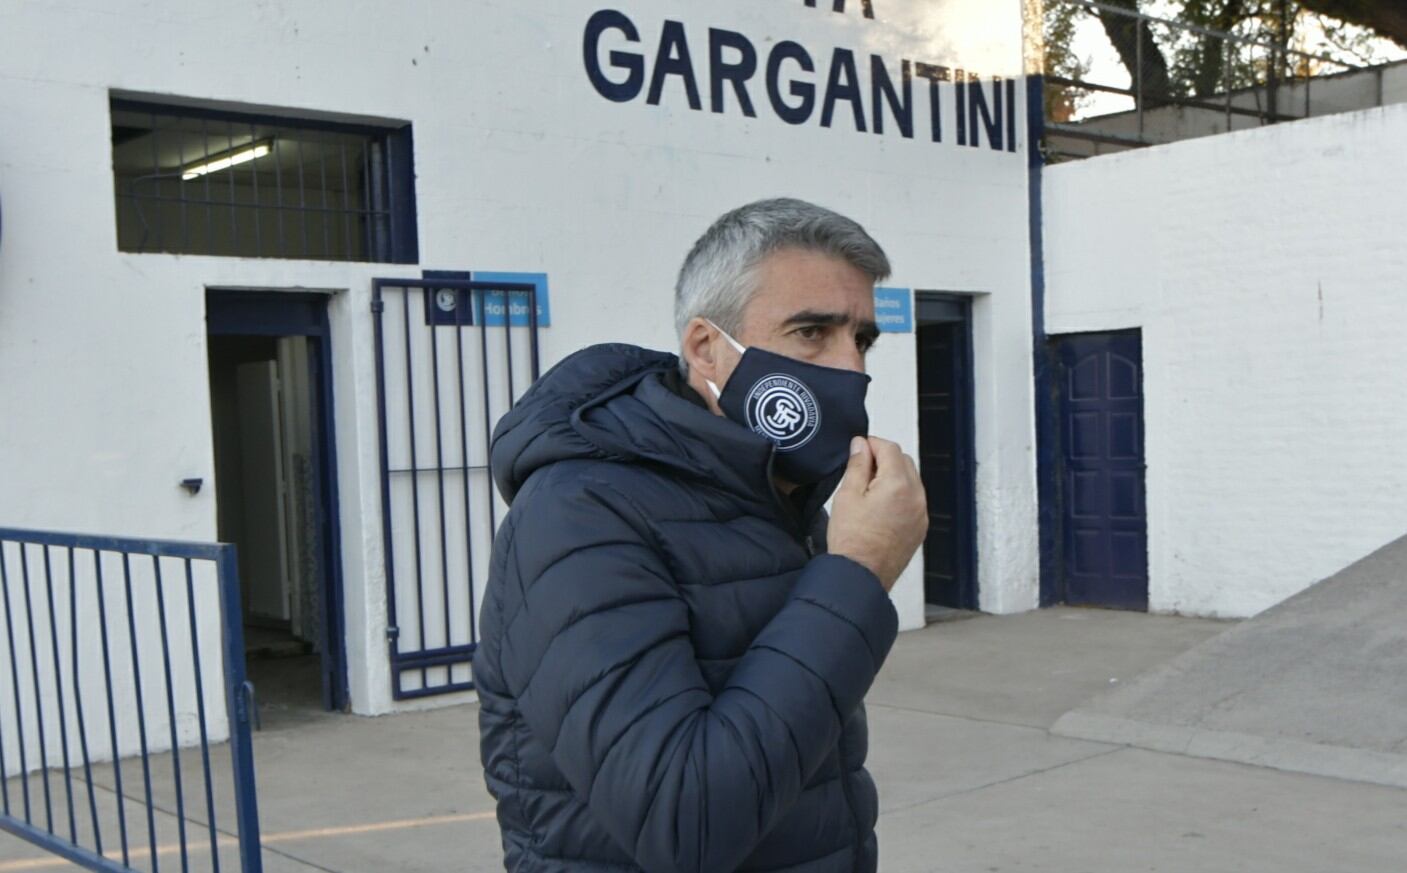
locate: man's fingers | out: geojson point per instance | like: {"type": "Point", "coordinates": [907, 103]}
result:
{"type": "Point", "coordinates": [888, 457]}
{"type": "Point", "coordinates": [860, 469]}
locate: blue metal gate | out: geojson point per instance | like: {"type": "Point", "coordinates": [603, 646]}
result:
{"type": "Point", "coordinates": [1105, 519]}
{"type": "Point", "coordinates": [452, 356]}
{"type": "Point", "coordinates": [110, 646]}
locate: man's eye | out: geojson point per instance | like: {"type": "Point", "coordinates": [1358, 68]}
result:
{"type": "Point", "coordinates": [811, 332]}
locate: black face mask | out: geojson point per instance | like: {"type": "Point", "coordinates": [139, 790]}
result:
{"type": "Point", "coordinates": [809, 412]}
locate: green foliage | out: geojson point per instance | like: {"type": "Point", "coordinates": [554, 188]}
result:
{"type": "Point", "coordinates": [1062, 102]}
{"type": "Point", "coordinates": [1201, 65]}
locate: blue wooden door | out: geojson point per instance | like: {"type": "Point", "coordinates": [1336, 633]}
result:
{"type": "Point", "coordinates": [1104, 511]}
{"type": "Point", "coordinates": [945, 436]}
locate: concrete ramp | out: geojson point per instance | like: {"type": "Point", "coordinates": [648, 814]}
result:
{"type": "Point", "coordinates": [1317, 684]}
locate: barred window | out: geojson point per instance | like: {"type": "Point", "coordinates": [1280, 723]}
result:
{"type": "Point", "coordinates": [207, 181]}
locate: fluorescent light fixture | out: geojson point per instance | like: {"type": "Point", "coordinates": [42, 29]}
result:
{"type": "Point", "coordinates": [225, 160]}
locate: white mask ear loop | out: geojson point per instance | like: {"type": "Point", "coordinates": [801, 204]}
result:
{"type": "Point", "coordinates": [734, 343]}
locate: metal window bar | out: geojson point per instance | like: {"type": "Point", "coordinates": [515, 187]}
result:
{"type": "Point", "coordinates": [142, 670]}
{"type": "Point", "coordinates": [435, 542]}
{"type": "Point", "coordinates": [1232, 47]}
{"type": "Point", "coordinates": [159, 211]}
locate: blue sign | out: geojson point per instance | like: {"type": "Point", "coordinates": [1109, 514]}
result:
{"type": "Point", "coordinates": [491, 305]}
{"type": "Point", "coordinates": [894, 310]}
{"type": "Point", "coordinates": [446, 307]}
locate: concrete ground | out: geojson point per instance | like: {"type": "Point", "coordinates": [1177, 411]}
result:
{"type": "Point", "coordinates": [1317, 684]}
{"type": "Point", "coordinates": [971, 780]}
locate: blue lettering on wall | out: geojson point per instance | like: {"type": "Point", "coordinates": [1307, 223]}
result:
{"type": "Point", "coordinates": [673, 59]}
{"type": "Point", "coordinates": [984, 113]}
{"type": "Point", "coordinates": [791, 113]}
{"type": "Point", "coordinates": [632, 64]}
{"type": "Point", "coordinates": [843, 84]}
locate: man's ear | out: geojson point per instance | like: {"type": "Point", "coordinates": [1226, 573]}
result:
{"type": "Point", "coordinates": [697, 349]}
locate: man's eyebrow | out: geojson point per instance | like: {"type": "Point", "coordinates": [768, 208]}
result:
{"type": "Point", "coordinates": [812, 316]}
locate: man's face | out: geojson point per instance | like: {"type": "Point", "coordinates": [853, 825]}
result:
{"type": "Point", "coordinates": [810, 306]}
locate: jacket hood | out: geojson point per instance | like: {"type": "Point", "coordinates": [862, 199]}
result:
{"type": "Point", "coordinates": [610, 402]}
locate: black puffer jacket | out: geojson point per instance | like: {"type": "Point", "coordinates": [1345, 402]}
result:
{"type": "Point", "coordinates": [669, 679]}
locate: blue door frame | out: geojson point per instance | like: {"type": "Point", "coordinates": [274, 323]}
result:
{"type": "Point", "coordinates": [1103, 528]}
{"type": "Point", "coordinates": [295, 313]}
{"type": "Point", "coordinates": [943, 334]}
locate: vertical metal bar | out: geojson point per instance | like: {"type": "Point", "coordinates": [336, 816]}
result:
{"type": "Point", "coordinates": [141, 706]}
{"type": "Point", "coordinates": [532, 337]}
{"type": "Point", "coordinates": [463, 301]}
{"type": "Point", "coordinates": [234, 210]}
{"type": "Point", "coordinates": [1308, 77]}
{"type": "Point", "coordinates": [346, 209]}
{"type": "Point", "coordinates": [368, 216]}
{"type": "Point", "coordinates": [241, 749]}
{"type": "Point", "coordinates": [488, 411]}
{"type": "Point", "coordinates": [508, 342]}
{"type": "Point", "coordinates": [1226, 68]}
{"type": "Point", "coordinates": [254, 175]}
{"type": "Point", "coordinates": [209, 195]}
{"type": "Point", "coordinates": [378, 307]}
{"type": "Point", "coordinates": [158, 203]}
{"type": "Point", "coordinates": [14, 684]}
{"type": "Point", "coordinates": [1138, 53]}
{"type": "Point", "coordinates": [38, 691]}
{"type": "Point", "coordinates": [200, 712]}
{"type": "Point", "coordinates": [322, 175]}
{"type": "Point", "coordinates": [414, 480]}
{"type": "Point", "coordinates": [171, 714]}
{"type": "Point", "coordinates": [111, 708]}
{"type": "Point", "coordinates": [4, 773]}
{"type": "Point", "coordinates": [278, 194]}
{"type": "Point", "coordinates": [78, 700]}
{"type": "Point", "coordinates": [59, 692]}
{"type": "Point", "coordinates": [388, 173]}
{"type": "Point", "coordinates": [302, 197]}
{"type": "Point", "coordinates": [439, 470]}
{"type": "Point", "coordinates": [181, 188]}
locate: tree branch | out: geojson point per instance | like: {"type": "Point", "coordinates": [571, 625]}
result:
{"type": "Point", "coordinates": [1387, 17]}
{"type": "Point", "coordinates": [1126, 34]}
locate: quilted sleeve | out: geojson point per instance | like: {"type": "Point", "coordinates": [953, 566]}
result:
{"type": "Point", "coordinates": [600, 661]}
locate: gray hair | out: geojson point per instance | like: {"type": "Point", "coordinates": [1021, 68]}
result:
{"type": "Point", "coordinates": [719, 276]}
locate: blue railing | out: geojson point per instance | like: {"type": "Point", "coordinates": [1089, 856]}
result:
{"type": "Point", "coordinates": [114, 658]}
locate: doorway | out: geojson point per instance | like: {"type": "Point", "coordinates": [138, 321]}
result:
{"type": "Point", "coordinates": [1104, 515]}
{"type": "Point", "coordinates": [271, 423]}
{"type": "Point", "coordinates": [943, 328]}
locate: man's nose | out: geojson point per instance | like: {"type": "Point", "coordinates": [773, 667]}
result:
{"type": "Point", "coordinates": [846, 355]}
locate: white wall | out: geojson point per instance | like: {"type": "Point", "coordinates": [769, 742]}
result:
{"type": "Point", "coordinates": [1266, 269]}
{"type": "Point", "coordinates": [520, 166]}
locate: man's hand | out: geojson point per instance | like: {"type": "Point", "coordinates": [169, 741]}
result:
{"type": "Point", "coordinates": [880, 513]}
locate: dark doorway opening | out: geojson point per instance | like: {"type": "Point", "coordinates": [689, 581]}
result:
{"type": "Point", "coordinates": [946, 448]}
{"type": "Point", "coordinates": [271, 421]}
{"type": "Point", "coordinates": [1103, 507]}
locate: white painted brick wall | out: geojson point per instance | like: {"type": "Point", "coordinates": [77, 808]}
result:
{"type": "Point", "coordinates": [520, 166]}
{"type": "Point", "coordinates": [1268, 271]}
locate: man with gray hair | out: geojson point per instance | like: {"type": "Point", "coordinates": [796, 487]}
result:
{"type": "Point", "coordinates": [675, 643]}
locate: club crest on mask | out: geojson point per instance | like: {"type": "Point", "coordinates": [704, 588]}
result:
{"type": "Point", "coordinates": [784, 410]}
